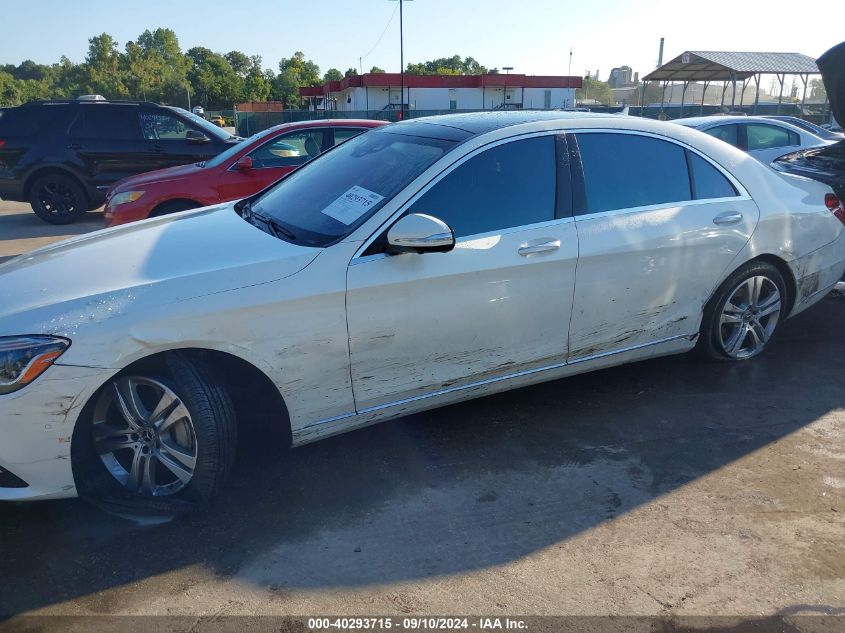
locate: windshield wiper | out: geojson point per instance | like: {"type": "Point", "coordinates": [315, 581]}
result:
{"type": "Point", "coordinates": [274, 226]}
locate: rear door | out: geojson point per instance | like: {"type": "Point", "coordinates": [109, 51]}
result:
{"type": "Point", "coordinates": [659, 225]}
{"type": "Point", "coordinates": [106, 138]}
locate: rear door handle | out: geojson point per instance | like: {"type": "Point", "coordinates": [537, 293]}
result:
{"type": "Point", "coordinates": [543, 247]}
{"type": "Point", "coordinates": [727, 219]}
{"type": "Point", "coordinates": [74, 146]}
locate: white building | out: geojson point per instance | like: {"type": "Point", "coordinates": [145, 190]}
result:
{"type": "Point", "coordinates": [381, 91]}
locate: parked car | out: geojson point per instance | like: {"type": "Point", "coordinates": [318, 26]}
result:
{"type": "Point", "coordinates": [817, 130]}
{"type": "Point", "coordinates": [62, 156]}
{"type": "Point", "coordinates": [764, 139]}
{"type": "Point", "coordinates": [218, 120]}
{"type": "Point", "coordinates": [825, 164]}
{"type": "Point", "coordinates": [420, 264]}
{"type": "Point", "coordinates": [241, 171]}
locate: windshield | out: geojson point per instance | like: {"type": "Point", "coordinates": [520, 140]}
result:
{"type": "Point", "coordinates": [328, 198]}
{"type": "Point", "coordinates": [206, 126]}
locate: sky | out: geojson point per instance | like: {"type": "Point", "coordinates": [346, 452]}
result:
{"type": "Point", "coordinates": [533, 36]}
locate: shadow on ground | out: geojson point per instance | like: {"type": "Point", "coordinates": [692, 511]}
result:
{"type": "Point", "coordinates": [466, 487]}
{"type": "Point", "coordinates": [21, 230]}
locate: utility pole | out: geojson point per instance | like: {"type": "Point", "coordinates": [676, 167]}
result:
{"type": "Point", "coordinates": [569, 72]}
{"type": "Point", "coordinates": [401, 60]}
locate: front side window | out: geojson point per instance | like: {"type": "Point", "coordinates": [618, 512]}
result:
{"type": "Point", "coordinates": [727, 133]}
{"type": "Point", "coordinates": [762, 136]}
{"type": "Point", "coordinates": [160, 126]}
{"type": "Point", "coordinates": [622, 171]}
{"type": "Point", "coordinates": [328, 198]}
{"type": "Point", "coordinates": [507, 186]}
{"type": "Point", "coordinates": [293, 149]}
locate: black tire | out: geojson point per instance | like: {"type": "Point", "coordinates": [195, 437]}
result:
{"type": "Point", "coordinates": [58, 199]}
{"type": "Point", "coordinates": [711, 341]}
{"type": "Point", "coordinates": [174, 206]}
{"type": "Point", "coordinates": [212, 419]}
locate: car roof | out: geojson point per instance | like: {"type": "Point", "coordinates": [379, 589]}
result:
{"type": "Point", "coordinates": [459, 127]}
{"type": "Point", "coordinates": [701, 121]}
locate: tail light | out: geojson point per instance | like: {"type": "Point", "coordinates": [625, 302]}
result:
{"type": "Point", "coordinates": [2, 143]}
{"type": "Point", "coordinates": [832, 202]}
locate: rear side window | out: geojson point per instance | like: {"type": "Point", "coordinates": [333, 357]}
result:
{"type": "Point", "coordinates": [28, 121]}
{"type": "Point", "coordinates": [708, 181]}
{"type": "Point", "coordinates": [510, 185]}
{"type": "Point", "coordinates": [622, 171]}
{"type": "Point", "coordinates": [762, 136]}
{"type": "Point", "coordinates": [342, 134]}
{"type": "Point", "coordinates": [107, 123]}
{"type": "Point", "coordinates": [727, 133]}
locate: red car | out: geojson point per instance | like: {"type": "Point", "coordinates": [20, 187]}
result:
{"type": "Point", "coordinates": [238, 172]}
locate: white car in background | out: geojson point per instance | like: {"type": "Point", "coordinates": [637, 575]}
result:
{"type": "Point", "coordinates": [763, 138]}
{"type": "Point", "coordinates": [420, 264]}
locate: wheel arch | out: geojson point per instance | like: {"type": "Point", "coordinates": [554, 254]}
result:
{"type": "Point", "coordinates": [788, 277]}
{"type": "Point", "coordinates": [160, 208]}
{"type": "Point", "coordinates": [51, 169]}
{"type": "Point", "coordinates": [259, 405]}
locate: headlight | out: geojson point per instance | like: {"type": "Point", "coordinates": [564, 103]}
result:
{"type": "Point", "coordinates": [124, 197]}
{"type": "Point", "coordinates": [25, 358]}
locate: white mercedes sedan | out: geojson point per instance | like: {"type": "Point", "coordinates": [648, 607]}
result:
{"type": "Point", "coordinates": [417, 265]}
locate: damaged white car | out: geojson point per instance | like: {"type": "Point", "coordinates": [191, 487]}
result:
{"type": "Point", "coordinates": [419, 264]}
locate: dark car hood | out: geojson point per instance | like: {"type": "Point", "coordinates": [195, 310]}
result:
{"type": "Point", "coordinates": [832, 67]}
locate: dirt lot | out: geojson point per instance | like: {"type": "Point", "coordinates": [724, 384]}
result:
{"type": "Point", "coordinates": [666, 487]}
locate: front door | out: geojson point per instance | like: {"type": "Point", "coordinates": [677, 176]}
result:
{"type": "Point", "coordinates": [659, 227]}
{"type": "Point", "coordinates": [498, 304]}
{"type": "Point", "coordinates": [169, 146]}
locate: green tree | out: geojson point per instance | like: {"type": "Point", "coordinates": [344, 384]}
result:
{"type": "Point", "coordinates": [817, 90]}
{"type": "Point", "coordinates": [593, 89]}
{"type": "Point", "coordinates": [332, 74]}
{"type": "Point", "coordinates": [447, 66]}
{"type": "Point", "coordinates": [239, 62]}
{"type": "Point", "coordinates": [376, 70]}
{"type": "Point", "coordinates": [257, 85]}
{"type": "Point", "coordinates": [215, 82]}
{"type": "Point", "coordinates": [105, 71]}
{"type": "Point", "coordinates": [350, 72]}
{"type": "Point", "coordinates": [294, 73]}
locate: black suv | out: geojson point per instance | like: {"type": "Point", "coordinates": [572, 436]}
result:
{"type": "Point", "coordinates": [63, 156]}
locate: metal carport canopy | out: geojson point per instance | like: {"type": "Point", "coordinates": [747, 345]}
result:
{"type": "Point", "coordinates": [730, 66]}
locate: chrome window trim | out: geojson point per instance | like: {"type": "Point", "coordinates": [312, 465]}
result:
{"type": "Point", "coordinates": [742, 192]}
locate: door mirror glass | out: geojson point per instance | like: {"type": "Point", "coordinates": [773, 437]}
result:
{"type": "Point", "coordinates": [244, 163]}
{"type": "Point", "coordinates": [420, 233]}
{"type": "Point", "coordinates": [195, 137]}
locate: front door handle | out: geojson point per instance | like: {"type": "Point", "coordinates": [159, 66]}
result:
{"type": "Point", "coordinates": [74, 146]}
{"type": "Point", "coordinates": [543, 247]}
{"type": "Point", "coordinates": [728, 219]}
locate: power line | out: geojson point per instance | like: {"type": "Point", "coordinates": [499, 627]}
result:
{"type": "Point", "coordinates": [380, 37]}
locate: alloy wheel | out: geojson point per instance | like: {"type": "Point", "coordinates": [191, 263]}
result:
{"type": "Point", "coordinates": [749, 317]}
{"type": "Point", "coordinates": [57, 199]}
{"type": "Point", "coordinates": [144, 435]}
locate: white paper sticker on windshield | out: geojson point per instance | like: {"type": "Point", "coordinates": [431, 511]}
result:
{"type": "Point", "coordinates": [352, 204]}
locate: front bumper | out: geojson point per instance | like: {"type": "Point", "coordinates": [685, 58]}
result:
{"type": "Point", "coordinates": [36, 427]}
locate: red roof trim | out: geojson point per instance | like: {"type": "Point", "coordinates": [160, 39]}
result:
{"type": "Point", "coordinates": [394, 80]}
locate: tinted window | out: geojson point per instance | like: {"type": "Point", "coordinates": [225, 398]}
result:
{"type": "Point", "coordinates": [157, 126]}
{"type": "Point", "coordinates": [27, 121]}
{"type": "Point", "coordinates": [293, 149]}
{"type": "Point", "coordinates": [342, 134]}
{"type": "Point", "coordinates": [626, 170]}
{"type": "Point", "coordinates": [103, 122]}
{"type": "Point", "coordinates": [727, 133]}
{"type": "Point", "coordinates": [709, 181]}
{"type": "Point", "coordinates": [762, 136]}
{"type": "Point", "coordinates": [325, 200]}
{"type": "Point", "coordinates": [506, 186]}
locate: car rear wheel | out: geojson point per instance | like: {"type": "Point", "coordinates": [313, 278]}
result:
{"type": "Point", "coordinates": [58, 199]}
{"type": "Point", "coordinates": [744, 313]}
{"type": "Point", "coordinates": [161, 439]}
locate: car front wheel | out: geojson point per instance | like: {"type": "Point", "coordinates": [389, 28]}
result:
{"type": "Point", "coordinates": [161, 439]}
{"type": "Point", "coordinates": [744, 313]}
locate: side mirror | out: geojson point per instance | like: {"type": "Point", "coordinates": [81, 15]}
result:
{"type": "Point", "coordinates": [420, 233]}
{"type": "Point", "coordinates": [196, 138]}
{"type": "Point", "coordinates": [244, 163]}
